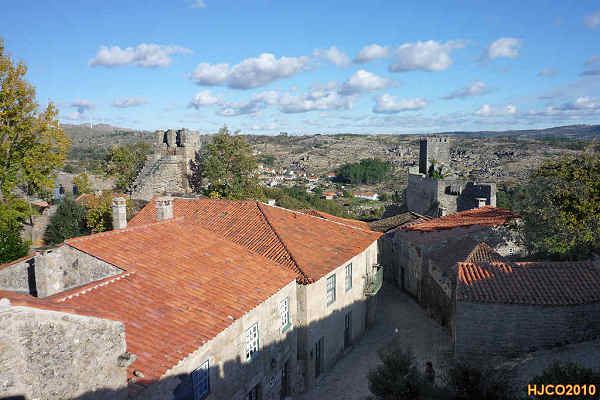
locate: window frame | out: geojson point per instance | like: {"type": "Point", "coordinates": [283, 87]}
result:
{"type": "Point", "coordinates": [285, 318]}
{"type": "Point", "coordinates": [251, 346]}
{"type": "Point", "coordinates": [331, 288]}
{"type": "Point", "coordinates": [204, 369]}
{"type": "Point", "coordinates": [348, 278]}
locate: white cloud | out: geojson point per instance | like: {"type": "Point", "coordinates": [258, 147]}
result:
{"type": "Point", "coordinates": [581, 103]}
{"type": "Point", "coordinates": [204, 98]}
{"type": "Point", "coordinates": [488, 111]}
{"type": "Point", "coordinates": [144, 55]}
{"type": "Point", "coordinates": [83, 105]}
{"type": "Point", "coordinates": [426, 56]}
{"type": "Point", "coordinates": [257, 103]}
{"type": "Point", "coordinates": [547, 72]}
{"type": "Point", "coordinates": [592, 21]}
{"type": "Point", "coordinates": [250, 73]}
{"type": "Point", "coordinates": [364, 81]}
{"type": "Point", "coordinates": [504, 47]}
{"type": "Point", "coordinates": [388, 104]}
{"type": "Point", "coordinates": [196, 3]}
{"type": "Point", "coordinates": [333, 55]}
{"type": "Point", "coordinates": [323, 97]}
{"type": "Point", "coordinates": [371, 52]}
{"type": "Point", "coordinates": [125, 102]}
{"type": "Point", "coordinates": [474, 89]}
{"type": "Point", "coordinates": [593, 64]}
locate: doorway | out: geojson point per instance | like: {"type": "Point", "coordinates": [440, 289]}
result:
{"type": "Point", "coordinates": [348, 329]}
{"type": "Point", "coordinates": [284, 380]}
{"type": "Point", "coordinates": [319, 356]}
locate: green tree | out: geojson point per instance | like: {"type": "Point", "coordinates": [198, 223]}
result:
{"type": "Point", "coordinates": [32, 144]}
{"type": "Point", "coordinates": [565, 373]}
{"type": "Point", "coordinates": [82, 181]}
{"type": "Point", "coordinates": [560, 208]}
{"type": "Point", "coordinates": [98, 213]}
{"type": "Point", "coordinates": [466, 381]}
{"type": "Point", "coordinates": [396, 377]}
{"type": "Point", "coordinates": [12, 213]}
{"type": "Point", "coordinates": [435, 173]}
{"type": "Point", "coordinates": [125, 162]}
{"type": "Point", "coordinates": [228, 166]}
{"type": "Point", "coordinates": [68, 222]}
{"type": "Point", "coordinates": [367, 171]}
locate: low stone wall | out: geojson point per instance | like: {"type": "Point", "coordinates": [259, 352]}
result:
{"type": "Point", "coordinates": [15, 277]}
{"type": "Point", "coordinates": [51, 355]}
{"type": "Point", "coordinates": [484, 330]}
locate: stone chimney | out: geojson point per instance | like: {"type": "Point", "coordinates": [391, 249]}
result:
{"type": "Point", "coordinates": [164, 208]}
{"type": "Point", "coordinates": [481, 201]}
{"type": "Point", "coordinates": [119, 213]}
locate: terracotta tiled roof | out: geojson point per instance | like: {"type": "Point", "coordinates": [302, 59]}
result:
{"type": "Point", "coordinates": [277, 233]}
{"type": "Point", "coordinates": [484, 216]}
{"type": "Point", "coordinates": [177, 293]}
{"type": "Point", "coordinates": [540, 283]}
{"type": "Point", "coordinates": [483, 253]}
{"type": "Point", "coordinates": [346, 221]}
{"type": "Point", "coordinates": [404, 219]}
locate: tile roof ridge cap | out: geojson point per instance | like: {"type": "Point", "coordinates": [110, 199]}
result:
{"type": "Point", "coordinates": [328, 220]}
{"type": "Point", "coordinates": [262, 212]}
{"type": "Point", "coordinates": [18, 260]}
{"type": "Point", "coordinates": [90, 287]}
{"type": "Point", "coordinates": [124, 230]}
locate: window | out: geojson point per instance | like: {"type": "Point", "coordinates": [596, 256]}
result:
{"type": "Point", "coordinates": [348, 277]}
{"type": "Point", "coordinates": [252, 342]}
{"type": "Point", "coordinates": [511, 251]}
{"type": "Point", "coordinates": [200, 381]}
{"type": "Point", "coordinates": [331, 290]}
{"type": "Point", "coordinates": [253, 394]}
{"type": "Point", "coordinates": [284, 310]}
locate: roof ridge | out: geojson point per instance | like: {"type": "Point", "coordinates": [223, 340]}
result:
{"type": "Point", "coordinates": [325, 219]}
{"type": "Point", "coordinates": [127, 229]}
{"type": "Point", "coordinates": [306, 277]}
{"type": "Point", "coordinates": [98, 285]}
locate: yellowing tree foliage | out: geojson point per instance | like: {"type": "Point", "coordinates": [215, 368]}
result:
{"type": "Point", "coordinates": [32, 144]}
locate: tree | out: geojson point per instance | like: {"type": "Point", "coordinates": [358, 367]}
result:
{"type": "Point", "coordinates": [124, 163]}
{"type": "Point", "coordinates": [367, 171]}
{"type": "Point", "coordinates": [12, 245]}
{"type": "Point", "coordinates": [468, 381]}
{"type": "Point", "coordinates": [228, 166]}
{"type": "Point", "coordinates": [32, 144]}
{"type": "Point", "coordinates": [560, 208]}
{"type": "Point", "coordinates": [396, 378]}
{"type": "Point", "coordinates": [68, 222]}
{"type": "Point", "coordinates": [566, 373]}
{"type": "Point", "coordinates": [435, 173]}
{"type": "Point", "coordinates": [98, 213]}
{"type": "Point", "coordinates": [82, 181]}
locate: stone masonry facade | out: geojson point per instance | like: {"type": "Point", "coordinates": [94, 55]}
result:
{"type": "Point", "coordinates": [166, 170]}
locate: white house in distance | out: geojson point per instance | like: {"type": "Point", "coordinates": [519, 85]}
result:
{"type": "Point", "coordinates": [367, 195]}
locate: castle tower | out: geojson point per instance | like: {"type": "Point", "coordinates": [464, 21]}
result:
{"type": "Point", "coordinates": [433, 148]}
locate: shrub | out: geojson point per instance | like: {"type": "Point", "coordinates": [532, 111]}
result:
{"type": "Point", "coordinates": [68, 222]}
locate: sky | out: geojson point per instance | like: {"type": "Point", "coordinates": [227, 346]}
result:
{"type": "Point", "coordinates": [305, 67]}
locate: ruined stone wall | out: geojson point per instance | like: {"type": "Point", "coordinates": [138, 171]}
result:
{"type": "Point", "coordinates": [433, 148]}
{"type": "Point", "coordinates": [489, 329]}
{"type": "Point", "coordinates": [65, 267]}
{"type": "Point", "coordinates": [421, 194]}
{"type": "Point", "coordinates": [15, 277]}
{"type": "Point", "coordinates": [50, 355]}
{"type": "Point", "coordinates": [231, 376]}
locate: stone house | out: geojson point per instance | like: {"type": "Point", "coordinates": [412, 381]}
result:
{"type": "Point", "coordinates": [505, 308]}
{"type": "Point", "coordinates": [334, 259]}
{"type": "Point", "coordinates": [170, 321]}
{"type": "Point", "coordinates": [421, 257]}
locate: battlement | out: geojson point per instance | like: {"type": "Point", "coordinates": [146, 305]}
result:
{"type": "Point", "coordinates": [433, 148]}
{"type": "Point", "coordinates": [176, 138]}
{"type": "Point", "coordinates": [435, 139]}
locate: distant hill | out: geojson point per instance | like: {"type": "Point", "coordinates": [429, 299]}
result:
{"type": "Point", "coordinates": [104, 135]}
{"type": "Point", "coordinates": [568, 131]}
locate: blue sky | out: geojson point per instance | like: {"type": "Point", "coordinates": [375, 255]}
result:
{"type": "Point", "coordinates": [266, 66]}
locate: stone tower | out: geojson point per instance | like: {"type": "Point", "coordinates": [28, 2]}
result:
{"type": "Point", "coordinates": [166, 170]}
{"type": "Point", "coordinates": [433, 148]}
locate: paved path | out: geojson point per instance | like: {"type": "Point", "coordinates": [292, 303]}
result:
{"type": "Point", "coordinates": [400, 319]}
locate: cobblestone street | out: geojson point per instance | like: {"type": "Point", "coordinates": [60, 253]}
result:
{"type": "Point", "coordinates": [398, 316]}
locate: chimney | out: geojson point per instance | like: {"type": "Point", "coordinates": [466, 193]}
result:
{"type": "Point", "coordinates": [480, 201]}
{"type": "Point", "coordinates": [164, 208]}
{"type": "Point", "coordinates": [119, 213]}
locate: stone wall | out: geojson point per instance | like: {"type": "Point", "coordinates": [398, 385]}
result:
{"type": "Point", "coordinates": [484, 330]}
{"type": "Point", "coordinates": [328, 321]}
{"type": "Point", "coordinates": [433, 148]}
{"type": "Point", "coordinates": [54, 271]}
{"type": "Point", "coordinates": [231, 375]}
{"type": "Point", "coordinates": [49, 355]}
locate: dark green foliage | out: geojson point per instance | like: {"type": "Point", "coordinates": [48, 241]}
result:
{"type": "Point", "coordinates": [396, 378]}
{"type": "Point", "coordinates": [12, 245]}
{"type": "Point", "coordinates": [296, 197]}
{"type": "Point", "coordinates": [266, 159]}
{"type": "Point", "coordinates": [560, 208]}
{"type": "Point", "coordinates": [68, 222]}
{"type": "Point", "coordinates": [125, 162]}
{"type": "Point", "coordinates": [565, 373]}
{"type": "Point", "coordinates": [468, 381]}
{"type": "Point", "coordinates": [367, 171]}
{"type": "Point", "coordinates": [507, 197]}
{"type": "Point", "coordinates": [435, 173]}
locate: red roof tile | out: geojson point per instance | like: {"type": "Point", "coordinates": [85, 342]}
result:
{"type": "Point", "coordinates": [174, 284]}
{"type": "Point", "coordinates": [346, 221]}
{"type": "Point", "coordinates": [277, 233]}
{"type": "Point", "coordinates": [540, 283]}
{"type": "Point", "coordinates": [483, 253]}
{"type": "Point", "coordinates": [484, 216]}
